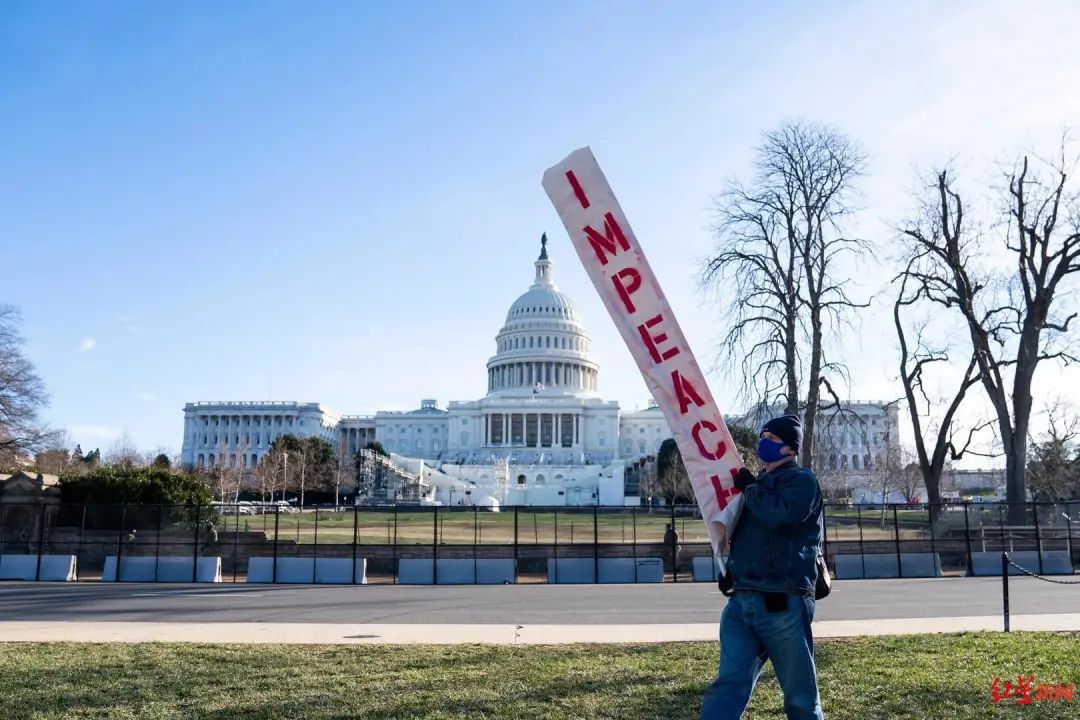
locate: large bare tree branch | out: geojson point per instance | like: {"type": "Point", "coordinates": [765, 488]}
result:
{"type": "Point", "coordinates": [779, 242]}
{"type": "Point", "coordinates": [22, 397]}
{"type": "Point", "coordinates": [1009, 335]}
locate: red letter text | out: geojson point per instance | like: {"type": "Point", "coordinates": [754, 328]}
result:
{"type": "Point", "coordinates": [685, 392]}
{"type": "Point", "coordinates": [612, 234]}
{"type": "Point", "coordinates": [651, 341]}
{"type": "Point", "coordinates": [627, 281]}
{"type": "Point", "coordinates": [721, 447]}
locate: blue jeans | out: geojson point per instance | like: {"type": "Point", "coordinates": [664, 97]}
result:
{"type": "Point", "coordinates": [750, 635]}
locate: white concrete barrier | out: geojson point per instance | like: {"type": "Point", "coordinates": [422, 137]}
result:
{"type": "Point", "coordinates": [571, 570]}
{"type": "Point", "coordinates": [612, 570]}
{"type": "Point", "coordinates": [339, 571]}
{"type": "Point", "coordinates": [166, 568]}
{"type": "Point", "coordinates": [1055, 562]}
{"type": "Point", "coordinates": [307, 571]}
{"type": "Point", "coordinates": [851, 566]}
{"type": "Point", "coordinates": [456, 571]}
{"type": "Point", "coordinates": [705, 569]}
{"type": "Point", "coordinates": [26, 567]}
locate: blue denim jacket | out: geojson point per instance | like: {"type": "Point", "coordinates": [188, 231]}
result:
{"type": "Point", "coordinates": [779, 533]}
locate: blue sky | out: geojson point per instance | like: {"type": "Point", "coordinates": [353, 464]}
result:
{"type": "Point", "coordinates": [342, 199]}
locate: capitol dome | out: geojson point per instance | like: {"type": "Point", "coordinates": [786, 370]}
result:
{"type": "Point", "coordinates": [542, 349]}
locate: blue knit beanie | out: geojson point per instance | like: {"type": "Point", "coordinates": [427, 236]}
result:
{"type": "Point", "coordinates": [786, 427]}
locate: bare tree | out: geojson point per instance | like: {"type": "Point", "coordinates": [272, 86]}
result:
{"type": "Point", "coordinates": [1054, 463]}
{"type": "Point", "coordinates": [159, 457]}
{"type": "Point", "coordinates": [231, 469]}
{"type": "Point", "coordinates": [314, 459]}
{"type": "Point", "coordinates": [55, 458]}
{"type": "Point", "coordinates": [344, 467]}
{"type": "Point", "coordinates": [22, 396]}
{"type": "Point", "coordinates": [909, 478]}
{"type": "Point", "coordinates": [1011, 325]}
{"type": "Point", "coordinates": [888, 467]}
{"type": "Point", "coordinates": [273, 471]}
{"type": "Point", "coordinates": [123, 452]}
{"type": "Point", "coordinates": [672, 478]}
{"type": "Point", "coordinates": [780, 241]}
{"type": "Point", "coordinates": [937, 439]}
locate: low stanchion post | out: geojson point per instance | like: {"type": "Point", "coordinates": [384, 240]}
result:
{"type": "Point", "coordinates": [1005, 587]}
{"type": "Point", "coordinates": [435, 545]}
{"type": "Point", "coordinates": [515, 543]}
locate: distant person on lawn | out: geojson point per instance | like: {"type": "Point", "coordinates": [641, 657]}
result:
{"type": "Point", "coordinates": [772, 570]}
{"type": "Point", "coordinates": [671, 541]}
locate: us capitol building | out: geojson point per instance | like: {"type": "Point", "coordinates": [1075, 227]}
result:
{"type": "Point", "coordinates": [541, 436]}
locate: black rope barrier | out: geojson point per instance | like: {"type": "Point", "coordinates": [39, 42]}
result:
{"type": "Point", "coordinates": [1037, 576]}
{"type": "Point", "coordinates": [1006, 561]}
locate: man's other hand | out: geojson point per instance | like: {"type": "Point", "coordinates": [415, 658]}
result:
{"type": "Point", "coordinates": [743, 479]}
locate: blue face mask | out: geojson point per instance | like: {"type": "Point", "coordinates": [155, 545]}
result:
{"type": "Point", "coordinates": [770, 450]}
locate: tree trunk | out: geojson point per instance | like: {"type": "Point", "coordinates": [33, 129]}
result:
{"type": "Point", "coordinates": [813, 395]}
{"type": "Point", "coordinates": [792, 372]}
{"type": "Point", "coordinates": [1016, 459]}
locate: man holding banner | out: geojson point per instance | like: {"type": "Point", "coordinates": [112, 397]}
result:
{"type": "Point", "coordinates": [772, 612]}
{"type": "Point", "coordinates": [772, 570]}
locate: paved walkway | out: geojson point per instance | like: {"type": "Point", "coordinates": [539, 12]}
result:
{"type": "Point", "coordinates": [416, 634]}
{"type": "Point", "coordinates": [528, 614]}
{"type": "Point", "coordinates": [678, 604]}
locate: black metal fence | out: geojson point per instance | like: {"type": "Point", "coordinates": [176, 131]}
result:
{"type": "Point", "coordinates": [101, 537]}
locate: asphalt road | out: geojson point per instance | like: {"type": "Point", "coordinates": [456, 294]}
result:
{"type": "Point", "coordinates": [507, 604]}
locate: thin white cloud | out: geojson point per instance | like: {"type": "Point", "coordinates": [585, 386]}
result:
{"type": "Point", "coordinates": [146, 396]}
{"type": "Point", "coordinates": [87, 344]}
{"type": "Point", "coordinates": [131, 321]}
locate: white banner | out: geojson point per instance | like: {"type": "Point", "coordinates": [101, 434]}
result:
{"type": "Point", "coordinates": [617, 266]}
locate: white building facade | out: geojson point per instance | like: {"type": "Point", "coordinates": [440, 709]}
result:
{"type": "Point", "coordinates": [238, 434]}
{"type": "Point", "coordinates": [541, 435]}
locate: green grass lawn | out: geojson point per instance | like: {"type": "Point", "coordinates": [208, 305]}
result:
{"type": "Point", "coordinates": [463, 526]}
{"type": "Point", "coordinates": [913, 677]}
